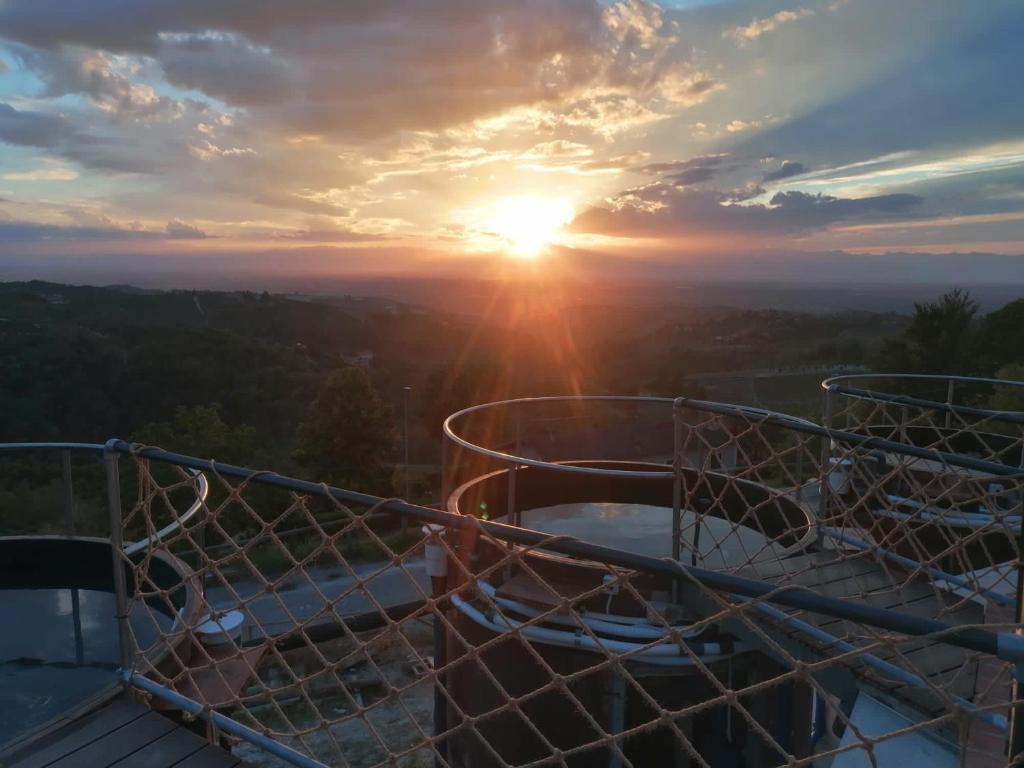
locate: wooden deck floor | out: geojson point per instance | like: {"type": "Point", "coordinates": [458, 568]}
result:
{"type": "Point", "coordinates": [125, 734]}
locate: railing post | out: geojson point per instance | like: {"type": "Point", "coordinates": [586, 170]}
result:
{"type": "Point", "coordinates": [1016, 734]}
{"type": "Point", "coordinates": [512, 506]}
{"type": "Point", "coordinates": [677, 491]}
{"type": "Point", "coordinates": [110, 458]}
{"type": "Point", "coordinates": [69, 493]}
{"type": "Point", "coordinates": [825, 471]}
{"type": "Point", "coordinates": [949, 401]}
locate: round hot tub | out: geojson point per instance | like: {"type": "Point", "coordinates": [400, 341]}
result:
{"type": "Point", "coordinates": [59, 649]}
{"type": "Point", "coordinates": [726, 524]}
{"type": "Point", "coordinates": [958, 516]}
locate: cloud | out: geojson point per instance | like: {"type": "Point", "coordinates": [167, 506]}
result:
{"type": "Point", "coordinates": [28, 231]}
{"type": "Point", "coordinates": [737, 126]}
{"type": "Point", "coordinates": [343, 69]}
{"type": "Point", "coordinates": [42, 174]}
{"type": "Point", "coordinates": [784, 171]}
{"type": "Point", "coordinates": [104, 78]}
{"type": "Point", "coordinates": [32, 129]}
{"type": "Point", "coordinates": [329, 236]}
{"type": "Point", "coordinates": [667, 211]}
{"type": "Point", "coordinates": [228, 67]}
{"type": "Point", "coordinates": [757, 27]}
{"type": "Point", "coordinates": [680, 166]}
{"type": "Point", "coordinates": [686, 172]}
{"type": "Point", "coordinates": [179, 230]}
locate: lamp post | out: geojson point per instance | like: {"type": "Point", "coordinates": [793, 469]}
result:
{"type": "Point", "coordinates": [405, 439]}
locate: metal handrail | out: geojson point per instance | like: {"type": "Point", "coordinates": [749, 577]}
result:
{"type": "Point", "coordinates": [837, 385]}
{"type": "Point", "coordinates": [922, 376]}
{"type": "Point", "coordinates": [508, 458]}
{"type": "Point", "coordinates": [1004, 645]}
{"type": "Point", "coordinates": [202, 488]}
{"type": "Point", "coordinates": [862, 442]}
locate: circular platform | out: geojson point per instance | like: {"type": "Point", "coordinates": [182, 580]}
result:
{"type": "Point", "coordinates": [59, 651]}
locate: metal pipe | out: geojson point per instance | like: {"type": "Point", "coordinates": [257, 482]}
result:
{"type": "Point", "coordinates": [880, 665]}
{"type": "Point", "coordinates": [1009, 417]}
{"type": "Point", "coordinates": [864, 443]}
{"type": "Point", "coordinates": [69, 492]}
{"type": "Point", "coordinates": [677, 483]}
{"type": "Point", "coordinates": [1005, 645]}
{"type": "Point", "coordinates": [914, 565]}
{"type": "Point", "coordinates": [1016, 741]}
{"type": "Point", "coordinates": [110, 458]}
{"type": "Point", "coordinates": [405, 440]}
{"type": "Point", "coordinates": [223, 722]}
{"type": "Point", "coordinates": [949, 401]}
{"type": "Point", "coordinates": [616, 693]}
{"type": "Point", "coordinates": [824, 471]}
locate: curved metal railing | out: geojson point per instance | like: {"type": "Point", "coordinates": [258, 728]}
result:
{"type": "Point", "coordinates": [451, 433]}
{"type": "Point", "coordinates": [202, 487]}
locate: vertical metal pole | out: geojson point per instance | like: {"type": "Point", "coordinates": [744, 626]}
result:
{"type": "Point", "coordinates": [117, 557]}
{"type": "Point", "coordinates": [677, 491]}
{"type": "Point", "coordinates": [76, 617]}
{"type": "Point", "coordinates": [69, 493]}
{"type": "Point", "coordinates": [949, 400]}
{"type": "Point", "coordinates": [1016, 733]}
{"type": "Point", "coordinates": [405, 440]}
{"type": "Point", "coordinates": [826, 467]}
{"type": "Point", "coordinates": [445, 483]}
{"type": "Point", "coordinates": [616, 693]}
{"type": "Point", "coordinates": [511, 506]}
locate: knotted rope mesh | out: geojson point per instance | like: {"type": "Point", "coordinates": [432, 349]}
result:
{"type": "Point", "coordinates": [472, 643]}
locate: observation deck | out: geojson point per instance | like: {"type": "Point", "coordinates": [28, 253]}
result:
{"type": "Point", "coordinates": [610, 581]}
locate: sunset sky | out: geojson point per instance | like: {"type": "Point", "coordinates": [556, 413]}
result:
{"type": "Point", "coordinates": [399, 137]}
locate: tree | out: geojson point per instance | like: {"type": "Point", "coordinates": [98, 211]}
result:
{"type": "Point", "coordinates": [941, 338]}
{"type": "Point", "coordinates": [1008, 398]}
{"type": "Point", "coordinates": [1001, 337]}
{"type": "Point", "coordinates": [200, 431]}
{"type": "Point", "coordinates": [348, 435]}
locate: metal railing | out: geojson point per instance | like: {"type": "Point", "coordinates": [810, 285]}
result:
{"type": "Point", "coordinates": [779, 594]}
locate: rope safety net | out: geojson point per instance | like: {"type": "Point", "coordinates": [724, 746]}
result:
{"type": "Point", "coordinates": [737, 630]}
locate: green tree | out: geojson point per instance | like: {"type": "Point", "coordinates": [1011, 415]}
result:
{"type": "Point", "coordinates": [200, 431]}
{"type": "Point", "coordinates": [1008, 398]}
{"type": "Point", "coordinates": [348, 435]}
{"type": "Point", "coordinates": [941, 338]}
{"type": "Point", "coordinates": [1001, 337]}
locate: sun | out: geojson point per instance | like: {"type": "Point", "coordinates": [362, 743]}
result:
{"type": "Point", "coordinates": [526, 225]}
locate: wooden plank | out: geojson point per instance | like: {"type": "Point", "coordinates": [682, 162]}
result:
{"type": "Point", "coordinates": [169, 749]}
{"type": "Point", "coordinates": [118, 743]}
{"type": "Point", "coordinates": [209, 757]}
{"type": "Point", "coordinates": [78, 734]}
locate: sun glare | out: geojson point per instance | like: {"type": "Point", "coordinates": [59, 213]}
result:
{"type": "Point", "coordinates": [526, 225]}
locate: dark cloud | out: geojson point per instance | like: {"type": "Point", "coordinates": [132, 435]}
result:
{"type": "Point", "coordinates": [329, 236]}
{"type": "Point", "coordinates": [665, 210]}
{"type": "Point", "coordinates": [27, 231]}
{"type": "Point", "coordinates": [686, 172]}
{"type": "Point", "coordinates": [365, 68]}
{"type": "Point", "coordinates": [57, 133]}
{"type": "Point", "coordinates": [681, 166]}
{"type": "Point", "coordinates": [228, 68]}
{"type": "Point", "coordinates": [32, 129]}
{"type": "Point", "coordinates": [179, 230]}
{"type": "Point", "coordinates": [784, 171]}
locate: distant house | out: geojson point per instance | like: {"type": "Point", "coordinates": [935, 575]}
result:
{"type": "Point", "coordinates": [362, 359]}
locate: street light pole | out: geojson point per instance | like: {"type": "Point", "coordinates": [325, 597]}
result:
{"type": "Point", "coordinates": [405, 430]}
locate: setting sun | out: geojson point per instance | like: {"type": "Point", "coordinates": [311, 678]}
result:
{"type": "Point", "coordinates": [525, 225]}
